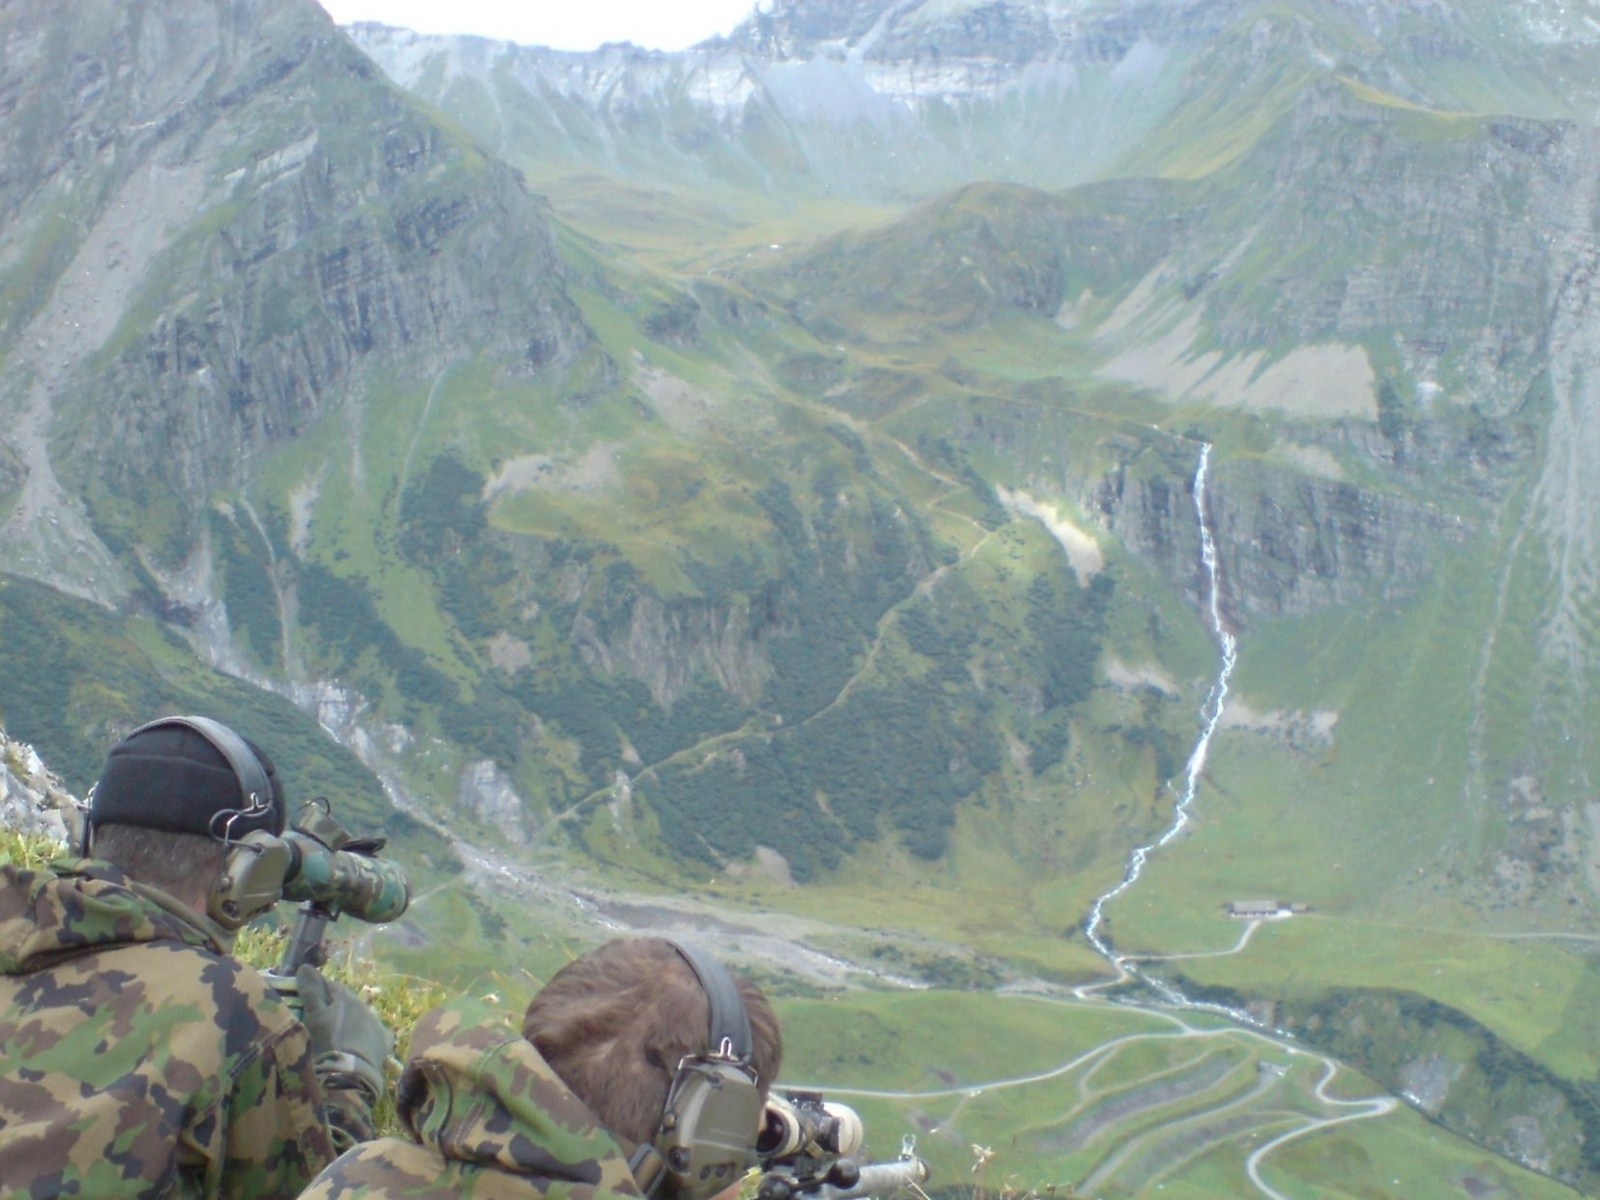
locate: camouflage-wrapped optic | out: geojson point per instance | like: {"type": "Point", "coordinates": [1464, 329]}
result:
{"type": "Point", "coordinates": [346, 881]}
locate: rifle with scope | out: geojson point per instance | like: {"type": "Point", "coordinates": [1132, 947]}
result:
{"type": "Point", "coordinates": [809, 1149]}
{"type": "Point", "coordinates": [333, 874]}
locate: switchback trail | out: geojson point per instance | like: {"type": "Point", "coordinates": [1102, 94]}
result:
{"type": "Point", "coordinates": [1376, 1106]}
{"type": "Point", "coordinates": [1271, 1079]}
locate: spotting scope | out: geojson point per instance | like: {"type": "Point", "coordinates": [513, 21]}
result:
{"type": "Point", "coordinates": [333, 874]}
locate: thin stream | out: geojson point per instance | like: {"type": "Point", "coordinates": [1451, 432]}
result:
{"type": "Point", "coordinates": [1210, 717]}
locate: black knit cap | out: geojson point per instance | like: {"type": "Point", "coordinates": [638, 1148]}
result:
{"type": "Point", "coordinates": [171, 776]}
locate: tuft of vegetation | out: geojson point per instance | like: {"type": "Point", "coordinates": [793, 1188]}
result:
{"type": "Point", "coordinates": [29, 851]}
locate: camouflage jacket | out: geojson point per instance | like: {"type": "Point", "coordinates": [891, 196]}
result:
{"type": "Point", "coordinates": [136, 1058]}
{"type": "Point", "coordinates": [487, 1119]}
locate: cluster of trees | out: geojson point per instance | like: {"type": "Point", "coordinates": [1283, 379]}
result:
{"type": "Point", "coordinates": [900, 756]}
{"type": "Point", "coordinates": [75, 682]}
{"type": "Point", "coordinates": [954, 459]}
{"type": "Point", "coordinates": [342, 611]}
{"type": "Point", "coordinates": [605, 713]}
{"type": "Point", "coordinates": [830, 607]}
{"type": "Point", "coordinates": [442, 529]}
{"type": "Point", "coordinates": [904, 755]}
{"type": "Point", "coordinates": [832, 774]}
{"type": "Point", "coordinates": [1153, 729]}
{"type": "Point", "coordinates": [443, 523]}
{"type": "Point", "coordinates": [45, 654]}
{"type": "Point", "coordinates": [1067, 622]}
{"type": "Point", "coordinates": [247, 589]}
{"type": "Point", "coordinates": [364, 648]}
{"type": "Point", "coordinates": [940, 969]}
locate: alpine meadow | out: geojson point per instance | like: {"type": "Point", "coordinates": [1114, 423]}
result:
{"type": "Point", "coordinates": [1060, 536]}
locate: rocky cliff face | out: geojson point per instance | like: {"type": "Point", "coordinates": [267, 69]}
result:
{"type": "Point", "coordinates": [33, 799]}
{"type": "Point", "coordinates": [1361, 186]}
{"type": "Point", "coordinates": [253, 219]}
{"type": "Point", "coordinates": [668, 646]}
{"type": "Point", "coordinates": [1294, 533]}
{"type": "Point", "coordinates": [1289, 542]}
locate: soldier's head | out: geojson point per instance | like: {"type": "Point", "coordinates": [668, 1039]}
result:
{"type": "Point", "coordinates": [174, 798]}
{"type": "Point", "coordinates": [626, 1026]}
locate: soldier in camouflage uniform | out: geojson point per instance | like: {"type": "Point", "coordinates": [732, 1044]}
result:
{"type": "Point", "coordinates": [551, 1114]}
{"type": "Point", "coordinates": [137, 1058]}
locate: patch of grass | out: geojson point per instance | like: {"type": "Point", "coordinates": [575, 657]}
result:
{"type": "Point", "coordinates": [29, 851]}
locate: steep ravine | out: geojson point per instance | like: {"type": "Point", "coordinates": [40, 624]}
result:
{"type": "Point", "coordinates": [1569, 519]}
{"type": "Point", "coordinates": [1210, 716]}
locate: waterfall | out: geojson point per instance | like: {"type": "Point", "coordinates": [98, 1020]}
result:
{"type": "Point", "coordinates": [1210, 717]}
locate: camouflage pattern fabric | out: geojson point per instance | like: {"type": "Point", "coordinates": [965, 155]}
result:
{"type": "Point", "coordinates": [487, 1119]}
{"type": "Point", "coordinates": [137, 1059]}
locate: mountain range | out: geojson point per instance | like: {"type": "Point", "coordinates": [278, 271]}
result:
{"type": "Point", "coordinates": [765, 474]}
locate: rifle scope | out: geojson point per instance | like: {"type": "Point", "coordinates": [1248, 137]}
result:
{"type": "Point", "coordinates": [800, 1123]}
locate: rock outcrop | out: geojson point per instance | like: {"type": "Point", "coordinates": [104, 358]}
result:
{"type": "Point", "coordinates": [33, 799]}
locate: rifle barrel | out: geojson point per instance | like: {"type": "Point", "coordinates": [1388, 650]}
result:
{"type": "Point", "coordinates": [880, 1179]}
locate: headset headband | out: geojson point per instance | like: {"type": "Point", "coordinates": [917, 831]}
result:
{"type": "Point", "coordinates": [730, 1024]}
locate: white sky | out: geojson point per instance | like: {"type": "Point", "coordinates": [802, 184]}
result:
{"type": "Point", "coordinates": [564, 24]}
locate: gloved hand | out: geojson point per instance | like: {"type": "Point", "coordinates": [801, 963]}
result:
{"type": "Point", "coordinates": [349, 1045]}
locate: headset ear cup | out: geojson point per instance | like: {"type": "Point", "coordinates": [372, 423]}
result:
{"type": "Point", "coordinates": [251, 880]}
{"type": "Point", "coordinates": [708, 1132]}
{"type": "Point", "coordinates": [707, 1136]}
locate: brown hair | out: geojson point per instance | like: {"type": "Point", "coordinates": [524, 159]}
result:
{"type": "Point", "coordinates": [615, 1022]}
{"type": "Point", "coordinates": [181, 864]}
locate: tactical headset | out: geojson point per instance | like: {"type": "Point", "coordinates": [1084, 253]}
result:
{"type": "Point", "coordinates": [253, 873]}
{"type": "Point", "coordinates": [706, 1138]}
